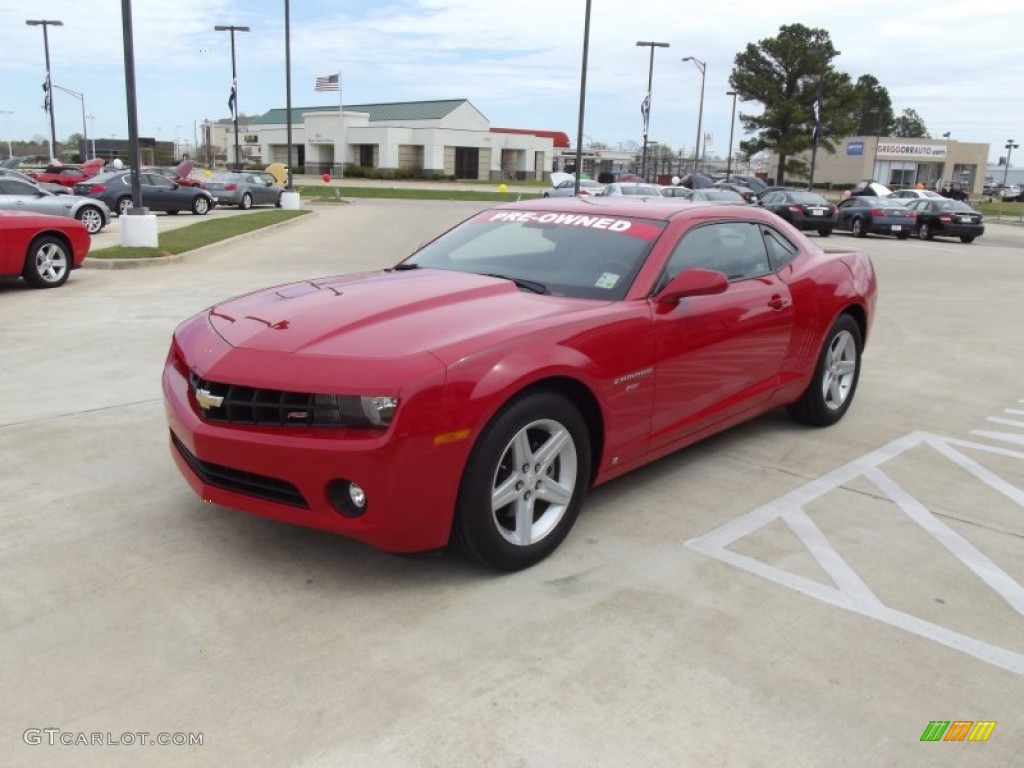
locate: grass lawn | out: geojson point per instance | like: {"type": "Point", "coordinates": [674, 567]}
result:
{"type": "Point", "coordinates": [334, 194]}
{"type": "Point", "coordinates": [197, 235]}
{"type": "Point", "coordinates": [1000, 211]}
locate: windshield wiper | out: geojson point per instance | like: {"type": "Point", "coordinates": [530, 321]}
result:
{"type": "Point", "coordinates": [404, 267]}
{"type": "Point", "coordinates": [530, 285]}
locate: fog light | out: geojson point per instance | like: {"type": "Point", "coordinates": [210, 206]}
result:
{"type": "Point", "coordinates": [346, 497]}
{"type": "Point", "coordinates": [357, 495]}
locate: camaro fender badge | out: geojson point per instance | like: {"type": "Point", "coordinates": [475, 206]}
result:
{"type": "Point", "coordinates": [634, 376]}
{"type": "Point", "coordinates": [207, 400]}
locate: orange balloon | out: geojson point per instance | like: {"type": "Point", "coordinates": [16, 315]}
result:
{"type": "Point", "coordinates": [326, 177]}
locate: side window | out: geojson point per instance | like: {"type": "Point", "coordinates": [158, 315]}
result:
{"type": "Point", "coordinates": [732, 247]}
{"type": "Point", "coordinates": [780, 250]}
{"type": "Point", "coordinates": [771, 198]}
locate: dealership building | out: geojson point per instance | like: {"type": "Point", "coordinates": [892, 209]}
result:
{"type": "Point", "coordinates": [445, 138]}
{"type": "Point", "coordinates": [901, 162]}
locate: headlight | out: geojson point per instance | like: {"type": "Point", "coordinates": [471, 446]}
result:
{"type": "Point", "coordinates": [366, 412]}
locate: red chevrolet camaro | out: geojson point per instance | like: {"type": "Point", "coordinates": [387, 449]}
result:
{"type": "Point", "coordinates": [473, 393]}
{"type": "Point", "coordinates": [43, 249]}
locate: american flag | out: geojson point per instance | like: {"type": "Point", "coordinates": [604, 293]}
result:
{"type": "Point", "coordinates": [327, 83]}
{"type": "Point", "coordinates": [645, 111]}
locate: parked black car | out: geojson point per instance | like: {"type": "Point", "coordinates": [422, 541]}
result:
{"type": "Point", "coordinates": [864, 215]}
{"type": "Point", "coordinates": [947, 218]}
{"type": "Point", "coordinates": [753, 182]}
{"type": "Point", "coordinates": [158, 193]}
{"type": "Point", "coordinates": [741, 189]}
{"type": "Point", "coordinates": [804, 210]}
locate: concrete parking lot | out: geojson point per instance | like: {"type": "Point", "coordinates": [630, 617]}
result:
{"type": "Point", "coordinates": [775, 596]}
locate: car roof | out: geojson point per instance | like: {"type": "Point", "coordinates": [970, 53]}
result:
{"type": "Point", "coordinates": [653, 207]}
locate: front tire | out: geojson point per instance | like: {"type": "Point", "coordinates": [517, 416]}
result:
{"type": "Point", "coordinates": [524, 482]}
{"type": "Point", "coordinates": [903, 236]}
{"type": "Point", "coordinates": [857, 228]}
{"type": "Point", "coordinates": [966, 238]}
{"type": "Point", "coordinates": [92, 217]}
{"type": "Point", "coordinates": [124, 205]}
{"type": "Point", "coordinates": [200, 206]}
{"type": "Point", "coordinates": [47, 263]}
{"type": "Point", "coordinates": [834, 383]}
{"type": "Point", "coordinates": [825, 231]}
{"type": "Point", "coordinates": [925, 232]}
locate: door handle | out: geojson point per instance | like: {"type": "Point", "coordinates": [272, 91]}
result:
{"type": "Point", "coordinates": [776, 302]}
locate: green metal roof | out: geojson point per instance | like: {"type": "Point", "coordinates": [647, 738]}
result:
{"type": "Point", "coordinates": [398, 110]}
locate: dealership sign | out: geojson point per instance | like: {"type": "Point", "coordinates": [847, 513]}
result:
{"type": "Point", "coordinates": [912, 150]}
{"type": "Point", "coordinates": [855, 148]}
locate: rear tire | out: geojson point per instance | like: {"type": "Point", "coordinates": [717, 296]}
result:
{"type": "Point", "coordinates": [524, 482]}
{"type": "Point", "coordinates": [825, 231]}
{"type": "Point", "coordinates": [47, 263]}
{"type": "Point", "coordinates": [857, 228]}
{"type": "Point", "coordinates": [124, 205]}
{"type": "Point", "coordinates": [925, 232]}
{"type": "Point", "coordinates": [834, 383]}
{"type": "Point", "coordinates": [966, 238]}
{"type": "Point", "coordinates": [903, 236]}
{"type": "Point", "coordinates": [246, 203]}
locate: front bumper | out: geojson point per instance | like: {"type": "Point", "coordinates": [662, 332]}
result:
{"type": "Point", "coordinates": [283, 474]}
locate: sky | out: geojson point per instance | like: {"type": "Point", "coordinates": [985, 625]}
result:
{"type": "Point", "coordinates": [958, 64]}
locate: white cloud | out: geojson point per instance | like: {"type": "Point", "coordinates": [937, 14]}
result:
{"type": "Point", "coordinates": [957, 64]}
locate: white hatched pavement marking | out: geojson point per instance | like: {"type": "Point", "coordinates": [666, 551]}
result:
{"type": "Point", "coordinates": [851, 592]}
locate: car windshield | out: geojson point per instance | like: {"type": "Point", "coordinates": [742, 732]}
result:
{"type": "Point", "coordinates": [565, 254]}
{"type": "Point", "coordinates": [227, 177]}
{"type": "Point", "coordinates": [807, 197]}
{"type": "Point", "coordinates": [639, 189]}
{"type": "Point", "coordinates": [104, 177]}
{"type": "Point", "coordinates": [717, 194]}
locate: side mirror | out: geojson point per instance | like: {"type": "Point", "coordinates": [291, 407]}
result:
{"type": "Point", "coordinates": [693, 282]}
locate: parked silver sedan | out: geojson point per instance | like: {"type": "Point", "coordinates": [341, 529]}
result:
{"type": "Point", "coordinates": [18, 195]}
{"type": "Point", "coordinates": [631, 188]}
{"type": "Point", "coordinates": [244, 189]}
{"type": "Point", "coordinates": [567, 188]}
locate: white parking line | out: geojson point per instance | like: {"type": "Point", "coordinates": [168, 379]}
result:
{"type": "Point", "coordinates": [851, 592]}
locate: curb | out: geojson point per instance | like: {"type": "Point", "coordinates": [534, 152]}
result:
{"type": "Point", "coordinates": [92, 262]}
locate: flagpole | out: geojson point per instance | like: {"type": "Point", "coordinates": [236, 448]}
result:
{"type": "Point", "coordinates": [341, 124]}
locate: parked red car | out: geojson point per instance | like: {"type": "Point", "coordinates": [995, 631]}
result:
{"type": "Point", "coordinates": [68, 175]}
{"type": "Point", "coordinates": [42, 249]}
{"type": "Point", "coordinates": [473, 393]}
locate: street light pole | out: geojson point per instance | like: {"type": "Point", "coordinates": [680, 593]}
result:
{"type": "Point", "coordinates": [647, 99]}
{"type": "Point", "coordinates": [732, 124]}
{"type": "Point", "coordinates": [44, 23]}
{"type": "Point", "coordinates": [825, 56]}
{"type": "Point", "coordinates": [234, 83]}
{"type": "Point", "coordinates": [1010, 146]}
{"type": "Point", "coordinates": [92, 123]}
{"type": "Point", "coordinates": [583, 100]}
{"type": "Point", "coordinates": [702, 66]}
{"type": "Point", "coordinates": [878, 138]}
{"type": "Point", "coordinates": [85, 130]}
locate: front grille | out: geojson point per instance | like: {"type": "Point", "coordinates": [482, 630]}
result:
{"type": "Point", "coordinates": [253, 406]}
{"type": "Point", "coordinates": [236, 480]}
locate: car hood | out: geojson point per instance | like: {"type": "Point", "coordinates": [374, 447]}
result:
{"type": "Point", "coordinates": [388, 315]}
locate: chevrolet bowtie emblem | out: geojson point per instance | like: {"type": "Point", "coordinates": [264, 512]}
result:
{"type": "Point", "coordinates": [206, 400]}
